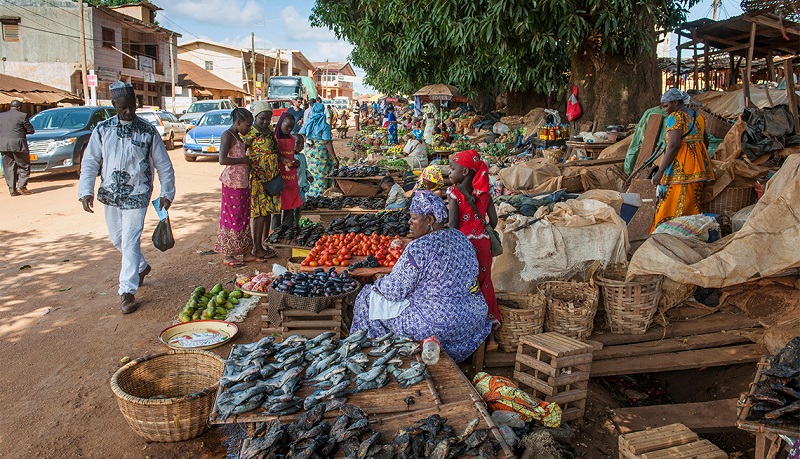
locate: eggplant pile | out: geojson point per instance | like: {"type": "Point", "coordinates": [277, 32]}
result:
{"type": "Point", "coordinates": [369, 262]}
{"type": "Point", "coordinates": [358, 171]}
{"type": "Point", "coordinates": [303, 236]}
{"type": "Point", "coordinates": [776, 398]}
{"type": "Point", "coordinates": [339, 202]}
{"type": "Point", "coordinates": [390, 223]}
{"type": "Point", "coordinates": [311, 435]}
{"type": "Point", "coordinates": [316, 284]}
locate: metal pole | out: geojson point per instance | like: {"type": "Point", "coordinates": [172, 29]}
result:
{"type": "Point", "coordinates": [253, 61]}
{"type": "Point", "coordinates": [84, 66]}
{"type": "Point", "coordinates": [172, 69]}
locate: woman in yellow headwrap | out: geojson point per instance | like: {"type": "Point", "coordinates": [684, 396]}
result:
{"type": "Point", "coordinates": [431, 179]}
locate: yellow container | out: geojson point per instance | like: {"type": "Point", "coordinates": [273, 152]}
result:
{"type": "Point", "coordinates": [300, 253]}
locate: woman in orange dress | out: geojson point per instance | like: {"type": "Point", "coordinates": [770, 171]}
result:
{"type": "Point", "coordinates": [685, 167]}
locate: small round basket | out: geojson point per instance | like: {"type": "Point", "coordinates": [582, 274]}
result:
{"type": "Point", "coordinates": [630, 306]}
{"type": "Point", "coordinates": [573, 184]}
{"type": "Point", "coordinates": [521, 314]}
{"type": "Point", "coordinates": [571, 307]}
{"type": "Point", "coordinates": [553, 155]}
{"type": "Point", "coordinates": [167, 397]}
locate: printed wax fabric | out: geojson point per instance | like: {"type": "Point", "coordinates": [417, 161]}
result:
{"type": "Point", "coordinates": [501, 394]}
{"type": "Point", "coordinates": [263, 152]}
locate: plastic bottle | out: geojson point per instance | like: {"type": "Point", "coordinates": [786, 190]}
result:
{"type": "Point", "coordinates": [430, 350]}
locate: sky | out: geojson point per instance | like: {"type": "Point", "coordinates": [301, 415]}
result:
{"type": "Point", "coordinates": [280, 24]}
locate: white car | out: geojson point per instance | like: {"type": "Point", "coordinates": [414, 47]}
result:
{"type": "Point", "coordinates": [167, 124]}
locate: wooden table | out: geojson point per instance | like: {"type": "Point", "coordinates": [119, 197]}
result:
{"type": "Point", "coordinates": [446, 392]}
{"type": "Point", "coordinates": [592, 149]}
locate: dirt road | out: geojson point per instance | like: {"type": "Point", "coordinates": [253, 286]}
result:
{"type": "Point", "coordinates": [62, 332]}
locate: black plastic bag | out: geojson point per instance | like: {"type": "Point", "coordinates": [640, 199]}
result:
{"type": "Point", "coordinates": [162, 236]}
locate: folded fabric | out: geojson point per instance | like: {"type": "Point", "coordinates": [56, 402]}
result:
{"type": "Point", "coordinates": [381, 308]}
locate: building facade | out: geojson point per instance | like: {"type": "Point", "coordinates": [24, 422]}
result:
{"type": "Point", "coordinates": [334, 79]}
{"type": "Point", "coordinates": [121, 43]}
{"type": "Point", "coordinates": [233, 64]}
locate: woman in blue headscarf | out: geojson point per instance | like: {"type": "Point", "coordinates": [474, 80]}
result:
{"type": "Point", "coordinates": [432, 289]}
{"type": "Point", "coordinates": [416, 150]}
{"type": "Point", "coordinates": [319, 154]}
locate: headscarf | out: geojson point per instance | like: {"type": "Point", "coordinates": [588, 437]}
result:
{"type": "Point", "coordinates": [434, 175]}
{"type": "Point", "coordinates": [674, 94]}
{"type": "Point", "coordinates": [472, 160]}
{"type": "Point", "coordinates": [259, 107]}
{"type": "Point", "coordinates": [425, 202]}
{"type": "Point", "coordinates": [317, 128]}
{"type": "Point", "coordinates": [417, 133]}
{"type": "Point", "coordinates": [278, 132]}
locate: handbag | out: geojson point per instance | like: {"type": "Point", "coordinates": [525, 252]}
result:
{"type": "Point", "coordinates": [162, 236]}
{"type": "Point", "coordinates": [494, 237]}
{"type": "Point", "coordinates": [273, 187]}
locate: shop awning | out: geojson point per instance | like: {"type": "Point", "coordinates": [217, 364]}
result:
{"type": "Point", "coordinates": [192, 75]}
{"type": "Point", "coordinates": [13, 88]}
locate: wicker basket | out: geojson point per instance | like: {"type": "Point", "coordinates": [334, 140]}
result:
{"type": "Point", "coordinates": [553, 155]}
{"type": "Point", "coordinates": [573, 184]}
{"type": "Point", "coordinates": [521, 314]}
{"type": "Point", "coordinates": [716, 125]}
{"type": "Point", "coordinates": [732, 200]}
{"type": "Point", "coordinates": [630, 306]}
{"type": "Point", "coordinates": [571, 307]}
{"type": "Point", "coordinates": [167, 397]}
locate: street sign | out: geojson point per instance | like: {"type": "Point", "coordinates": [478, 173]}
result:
{"type": "Point", "coordinates": [91, 81]}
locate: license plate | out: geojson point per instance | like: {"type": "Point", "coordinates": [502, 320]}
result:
{"type": "Point", "coordinates": [210, 149]}
{"type": "Point", "coordinates": [34, 157]}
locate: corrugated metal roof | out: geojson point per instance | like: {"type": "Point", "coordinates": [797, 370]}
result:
{"type": "Point", "coordinates": [192, 75]}
{"type": "Point", "coordinates": [32, 92]}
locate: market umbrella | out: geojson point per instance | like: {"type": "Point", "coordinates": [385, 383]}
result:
{"type": "Point", "coordinates": [440, 92]}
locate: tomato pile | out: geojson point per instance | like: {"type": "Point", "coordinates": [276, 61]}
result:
{"type": "Point", "coordinates": [339, 249]}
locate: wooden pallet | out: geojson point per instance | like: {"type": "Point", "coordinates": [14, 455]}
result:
{"type": "Point", "coordinates": [634, 444]}
{"type": "Point", "coordinates": [674, 441]}
{"type": "Point", "coordinates": [310, 324]}
{"type": "Point", "coordinates": [556, 369]}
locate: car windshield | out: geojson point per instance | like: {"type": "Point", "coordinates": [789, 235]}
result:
{"type": "Point", "coordinates": [203, 107]}
{"type": "Point", "coordinates": [60, 119]}
{"type": "Point", "coordinates": [215, 119]}
{"type": "Point", "coordinates": [150, 117]}
{"type": "Point", "coordinates": [280, 104]}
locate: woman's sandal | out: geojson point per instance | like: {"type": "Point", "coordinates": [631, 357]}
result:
{"type": "Point", "coordinates": [233, 263]}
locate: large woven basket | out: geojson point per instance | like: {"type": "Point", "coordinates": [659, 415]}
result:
{"type": "Point", "coordinates": [630, 306]}
{"type": "Point", "coordinates": [732, 200]}
{"type": "Point", "coordinates": [716, 125]}
{"type": "Point", "coordinates": [167, 397]}
{"type": "Point", "coordinates": [521, 314]}
{"type": "Point", "coordinates": [571, 307]}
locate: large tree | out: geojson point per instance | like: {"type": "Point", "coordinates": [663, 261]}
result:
{"type": "Point", "coordinates": [607, 46]}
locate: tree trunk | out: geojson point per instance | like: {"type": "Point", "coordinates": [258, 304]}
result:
{"type": "Point", "coordinates": [614, 89]}
{"type": "Point", "coordinates": [520, 103]}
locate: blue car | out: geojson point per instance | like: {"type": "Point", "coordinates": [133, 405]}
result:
{"type": "Point", "coordinates": [61, 136]}
{"type": "Point", "coordinates": [204, 138]}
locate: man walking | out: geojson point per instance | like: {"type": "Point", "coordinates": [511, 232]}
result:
{"type": "Point", "coordinates": [14, 125]}
{"type": "Point", "coordinates": [125, 149]}
{"type": "Point", "coordinates": [297, 111]}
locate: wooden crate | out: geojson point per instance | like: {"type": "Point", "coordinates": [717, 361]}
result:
{"type": "Point", "coordinates": [634, 444]}
{"type": "Point", "coordinates": [307, 323]}
{"type": "Point", "coordinates": [359, 188]}
{"type": "Point", "coordinates": [702, 449]}
{"type": "Point", "coordinates": [556, 369]}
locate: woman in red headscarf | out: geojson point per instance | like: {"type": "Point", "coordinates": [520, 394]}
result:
{"type": "Point", "coordinates": [470, 177]}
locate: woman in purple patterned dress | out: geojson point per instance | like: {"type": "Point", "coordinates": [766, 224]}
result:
{"type": "Point", "coordinates": [432, 290]}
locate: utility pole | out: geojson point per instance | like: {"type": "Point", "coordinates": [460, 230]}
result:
{"type": "Point", "coordinates": [716, 7]}
{"type": "Point", "coordinates": [83, 54]}
{"type": "Point", "coordinates": [172, 69]}
{"type": "Point", "coordinates": [253, 61]}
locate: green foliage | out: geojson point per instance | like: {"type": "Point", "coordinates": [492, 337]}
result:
{"type": "Point", "coordinates": [515, 45]}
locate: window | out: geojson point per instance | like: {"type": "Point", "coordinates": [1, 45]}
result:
{"type": "Point", "coordinates": [210, 65]}
{"type": "Point", "coordinates": [11, 31]}
{"type": "Point", "coordinates": [109, 38]}
{"type": "Point", "coordinates": [97, 117]}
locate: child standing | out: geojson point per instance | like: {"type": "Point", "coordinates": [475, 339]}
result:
{"type": "Point", "coordinates": [470, 178]}
{"type": "Point", "coordinates": [234, 238]}
{"type": "Point", "coordinates": [397, 197]}
{"type": "Point", "coordinates": [290, 196]}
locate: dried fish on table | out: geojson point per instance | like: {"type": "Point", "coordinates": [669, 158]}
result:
{"type": "Point", "coordinates": [776, 398]}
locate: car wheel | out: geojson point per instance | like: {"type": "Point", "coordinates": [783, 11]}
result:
{"type": "Point", "coordinates": [170, 143]}
{"type": "Point", "coordinates": [190, 158]}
